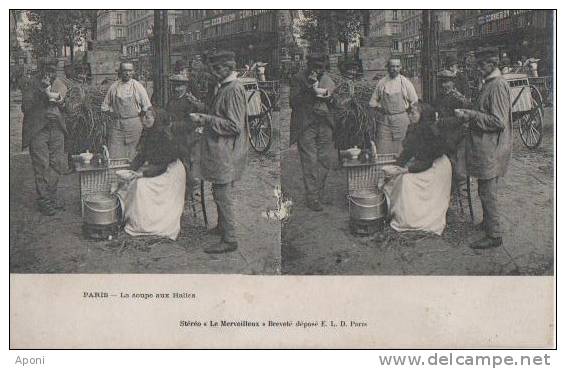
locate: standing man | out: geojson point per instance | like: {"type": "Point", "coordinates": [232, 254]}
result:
{"type": "Point", "coordinates": [460, 80]}
{"type": "Point", "coordinates": [312, 126]}
{"type": "Point", "coordinates": [396, 100]}
{"type": "Point", "coordinates": [179, 107]}
{"type": "Point", "coordinates": [489, 144]}
{"type": "Point", "coordinates": [127, 102]}
{"type": "Point", "coordinates": [449, 97]}
{"type": "Point", "coordinates": [224, 145]}
{"type": "Point", "coordinates": [44, 132]}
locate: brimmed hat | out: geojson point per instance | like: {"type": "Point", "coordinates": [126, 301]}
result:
{"type": "Point", "coordinates": [220, 56]}
{"type": "Point", "coordinates": [317, 59]}
{"type": "Point", "coordinates": [446, 75]}
{"type": "Point", "coordinates": [489, 55]}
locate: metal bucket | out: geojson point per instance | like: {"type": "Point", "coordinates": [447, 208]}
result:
{"type": "Point", "coordinates": [101, 209]}
{"type": "Point", "coordinates": [367, 205]}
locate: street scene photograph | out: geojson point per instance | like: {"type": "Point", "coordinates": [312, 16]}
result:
{"type": "Point", "coordinates": [418, 142]}
{"type": "Point", "coordinates": [144, 141]}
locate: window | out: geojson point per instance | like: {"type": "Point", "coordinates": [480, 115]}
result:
{"type": "Point", "coordinates": [395, 15]}
{"type": "Point", "coordinates": [119, 33]}
{"type": "Point", "coordinates": [118, 18]}
{"type": "Point", "coordinates": [396, 45]}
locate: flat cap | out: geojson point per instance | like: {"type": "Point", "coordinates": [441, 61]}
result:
{"type": "Point", "coordinates": [490, 55]}
{"type": "Point", "coordinates": [220, 56]}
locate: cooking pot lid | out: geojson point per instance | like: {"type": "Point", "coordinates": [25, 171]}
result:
{"type": "Point", "coordinates": [365, 194]}
{"type": "Point", "coordinates": [101, 198]}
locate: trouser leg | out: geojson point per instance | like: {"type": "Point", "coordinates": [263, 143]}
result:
{"type": "Point", "coordinates": [325, 145]}
{"type": "Point", "coordinates": [56, 146]}
{"type": "Point", "coordinates": [39, 153]}
{"type": "Point", "coordinates": [222, 194]}
{"type": "Point", "coordinates": [309, 161]}
{"type": "Point", "coordinates": [487, 189]}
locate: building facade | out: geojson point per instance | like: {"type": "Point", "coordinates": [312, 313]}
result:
{"type": "Point", "coordinates": [112, 25]}
{"type": "Point", "coordinates": [137, 47]}
{"type": "Point", "coordinates": [384, 25]}
{"type": "Point", "coordinates": [519, 34]}
{"type": "Point", "coordinates": [251, 34]}
{"type": "Point", "coordinates": [410, 37]}
{"type": "Point", "coordinates": [20, 51]}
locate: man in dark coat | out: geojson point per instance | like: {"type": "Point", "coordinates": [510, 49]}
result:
{"type": "Point", "coordinates": [460, 80]}
{"type": "Point", "coordinates": [449, 99]}
{"type": "Point", "coordinates": [179, 107]}
{"type": "Point", "coordinates": [489, 143]}
{"type": "Point", "coordinates": [224, 144]}
{"type": "Point", "coordinates": [312, 126]}
{"type": "Point", "coordinates": [44, 132]}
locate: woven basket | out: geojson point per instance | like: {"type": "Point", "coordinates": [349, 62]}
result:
{"type": "Point", "coordinates": [368, 176]}
{"type": "Point", "coordinates": [101, 181]}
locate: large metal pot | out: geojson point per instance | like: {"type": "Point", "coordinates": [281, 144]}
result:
{"type": "Point", "coordinates": [367, 205]}
{"type": "Point", "coordinates": [101, 209]}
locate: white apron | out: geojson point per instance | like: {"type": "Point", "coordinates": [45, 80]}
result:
{"type": "Point", "coordinates": [153, 206]}
{"type": "Point", "coordinates": [419, 201]}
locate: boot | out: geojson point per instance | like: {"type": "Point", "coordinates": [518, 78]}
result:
{"type": "Point", "coordinates": [46, 207]}
{"type": "Point", "coordinates": [217, 231]}
{"type": "Point", "coordinates": [487, 243]}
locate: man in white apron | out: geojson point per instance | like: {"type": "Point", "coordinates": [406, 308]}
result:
{"type": "Point", "coordinates": [127, 101]}
{"type": "Point", "coordinates": [395, 100]}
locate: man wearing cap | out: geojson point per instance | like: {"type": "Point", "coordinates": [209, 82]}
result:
{"type": "Point", "coordinates": [395, 99]}
{"type": "Point", "coordinates": [127, 101]}
{"type": "Point", "coordinates": [312, 126]}
{"type": "Point", "coordinates": [489, 144]}
{"type": "Point", "coordinates": [224, 145]}
{"type": "Point", "coordinates": [44, 132]}
{"type": "Point", "coordinates": [180, 105]}
{"type": "Point", "coordinates": [460, 80]}
{"type": "Point", "coordinates": [449, 97]}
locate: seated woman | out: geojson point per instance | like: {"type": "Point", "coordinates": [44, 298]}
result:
{"type": "Point", "coordinates": [153, 202]}
{"type": "Point", "coordinates": [420, 195]}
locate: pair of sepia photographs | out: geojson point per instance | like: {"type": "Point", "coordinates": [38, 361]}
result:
{"type": "Point", "coordinates": [335, 247]}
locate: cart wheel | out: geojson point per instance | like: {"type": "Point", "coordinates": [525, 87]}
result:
{"type": "Point", "coordinates": [530, 128]}
{"type": "Point", "coordinates": [537, 99]}
{"type": "Point", "coordinates": [260, 130]}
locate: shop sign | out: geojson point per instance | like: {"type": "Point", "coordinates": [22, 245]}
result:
{"type": "Point", "coordinates": [482, 19]}
{"type": "Point", "coordinates": [219, 20]}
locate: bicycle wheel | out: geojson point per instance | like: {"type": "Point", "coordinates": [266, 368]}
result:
{"type": "Point", "coordinates": [530, 127]}
{"type": "Point", "coordinates": [260, 130]}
